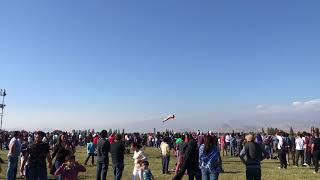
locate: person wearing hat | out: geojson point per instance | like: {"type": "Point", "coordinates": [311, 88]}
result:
{"type": "Point", "coordinates": [251, 155]}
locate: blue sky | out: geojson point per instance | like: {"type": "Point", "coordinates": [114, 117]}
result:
{"type": "Point", "coordinates": [104, 63]}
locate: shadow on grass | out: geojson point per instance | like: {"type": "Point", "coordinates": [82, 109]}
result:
{"type": "Point", "coordinates": [230, 161]}
{"type": "Point", "coordinates": [231, 172]}
{"type": "Point", "coordinates": [270, 162]}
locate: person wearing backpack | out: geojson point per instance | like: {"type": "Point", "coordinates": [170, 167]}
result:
{"type": "Point", "coordinates": [209, 159]}
{"type": "Point", "coordinates": [251, 155]}
{"type": "Point", "coordinates": [282, 155]}
{"type": "Point", "coordinates": [281, 147]}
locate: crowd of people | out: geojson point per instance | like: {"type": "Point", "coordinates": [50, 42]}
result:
{"type": "Point", "coordinates": [195, 154]}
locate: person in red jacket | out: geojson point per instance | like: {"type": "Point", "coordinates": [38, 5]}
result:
{"type": "Point", "coordinates": [95, 140]}
{"type": "Point", "coordinates": [111, 138]}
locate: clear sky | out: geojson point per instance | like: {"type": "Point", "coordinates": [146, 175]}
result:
{"type": "Point", "coordinates": [100, 63]}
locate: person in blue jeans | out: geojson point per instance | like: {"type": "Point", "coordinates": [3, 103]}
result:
{"type": "Point", "coordinates": [165, 152]}
{"type": "Point", "coordinates": [13, 156]}
{"type": "Point", "coordinates": [117, 154]}
{"type": "Point", "coordinates": [36, 155]}
{"type": "Point", "coordinates": [209, 158]}
{"type": "Point", "coordinates": [103, 149]}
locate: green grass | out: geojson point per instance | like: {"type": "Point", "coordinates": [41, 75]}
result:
{"type": "Point", "coordinates": [234, 169]}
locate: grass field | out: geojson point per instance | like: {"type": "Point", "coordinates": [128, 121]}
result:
{"type": "Point", "coordinates": [234, 169]}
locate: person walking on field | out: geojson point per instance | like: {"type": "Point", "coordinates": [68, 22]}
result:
{"type": "Point", "coordinates": [13, 156]}
{"type": "Point", "coordinates": [117, 153]}
{"type": "Point", "coordinates": [165, 152]}
{"type": "Point", "coordinates": [251, 155]}
{"type": "Point", "coordinates": [103, 149]}
{"type": "Point", "coordinates": [90, 151]}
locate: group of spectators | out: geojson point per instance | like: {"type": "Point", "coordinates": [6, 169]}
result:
{"type": "Point", "coordinates": [195, 154]}
{"type": "Point", "coordinates": [34, 156]}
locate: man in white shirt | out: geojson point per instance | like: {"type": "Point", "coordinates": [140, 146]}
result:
{"type": "Point", "coordinates": [13, 156]}
{"type": "Point", "coordinates": [228, 139]}
{"type": "Point", "coordinates": [281, 150]}
{"type": "Point", "coordinates": [299, 149]}
{"type": "Point", "coordinates": [280, 141]}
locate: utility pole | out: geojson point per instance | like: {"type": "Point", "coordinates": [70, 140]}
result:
{"type": "Point", "coordinates": [2, 105]}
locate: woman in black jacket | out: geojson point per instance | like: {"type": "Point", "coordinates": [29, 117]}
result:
{"type": "Point", "coordinates": [190, 162]}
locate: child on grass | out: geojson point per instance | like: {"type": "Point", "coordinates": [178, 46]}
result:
{"type": "Point", "coordinates": [146, 172]}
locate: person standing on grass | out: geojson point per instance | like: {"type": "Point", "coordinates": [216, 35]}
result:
{"type": "Point", "coordinates": [60, 152]}
{"type": "Point", "coordinates": [282, 149]}
{"type": "Point", "coordinates": [90, 151]}
{"type": "Point", "coordinates": [13, 156]}
{"type": "Point", "coordinates": [36, 155]}
{"type": "Point", "coordinates": [292, 148]}
{"type": "Point", "coordinates": [209, 159]}
{"type": "Point", "coordinates": [281, 153]}
{"type": "Point", "coordinates": [227, 139]}
{"type": "Point", "coordinates": [251, 155]}
{"type": "Point", "coordinates": [165, 153]}
{"type": "Point", "coordinates": [239, 144]}
{"type": "Point", "coordinates": [308, 153]}
{"type": "Point", "coordinates": [146, 172]}
{"type": "Point", "coordinates": [103, 149]}
{"type": "Point", "coordinates": [117, 153]}
{"type": "Point", "coordinates": [190, 161]}
{"type": "Point", "coordinates": [223, 145]}
{"type": "Point", "coordinates": [268, 144]}
{"type": "Point", "coordinates": [182, 147]}
{"type": "Point", "coordinates": [138, 157]}
{"type": "Point", "coordinates": [233, 145]}
{"type": "Point", "coordinates": [95, 139]}
{"type": "Point", "coordinates": [315, 149]}
{"type": "Point", "coordinates": [178, 141]}
{"type": "Point", "coordinates": [299, 149]}
{"type": "Point", "coordinates": [305, 141]}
